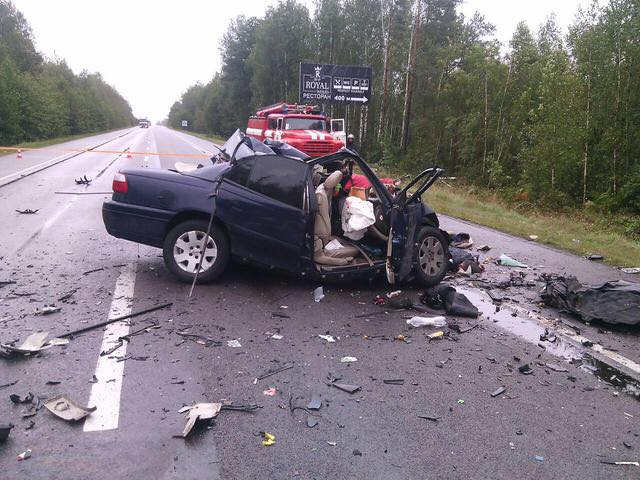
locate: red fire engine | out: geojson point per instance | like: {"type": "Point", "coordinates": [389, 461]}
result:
{"type": "Point", "coordinates": [304, 127]}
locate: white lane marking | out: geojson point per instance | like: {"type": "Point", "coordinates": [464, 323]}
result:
{"type": "Point", "coordinates": [33, 167]}
{"type": "Point", "coordinates": [189, 143]}
{"type": "Point", "coordinates": [145, 161]}
{"type": "Point", "coordinates": [53, 218]}
{"type": "Point", "coordinates": [105, 394]}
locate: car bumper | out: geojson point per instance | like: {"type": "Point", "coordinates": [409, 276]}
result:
{"type": "Point", "coordinates": [136, 223]}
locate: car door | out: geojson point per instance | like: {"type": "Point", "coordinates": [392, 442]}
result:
{"type": "Point", "coordinates": [262, 202]}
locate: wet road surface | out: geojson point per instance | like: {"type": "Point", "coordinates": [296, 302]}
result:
{"type": "Point", "coordinates": [550, 424]}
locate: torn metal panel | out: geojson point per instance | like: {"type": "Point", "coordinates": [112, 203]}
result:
{"type": "Point", "coordinates": [199, 411]}
{"type": "Point", "coordinates": [64, 407]}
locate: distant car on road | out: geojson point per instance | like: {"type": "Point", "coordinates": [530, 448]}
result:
{"type": "Point", "coordinates": [275, 209]}
{"type": "Point", "coordinates": [144, 123]}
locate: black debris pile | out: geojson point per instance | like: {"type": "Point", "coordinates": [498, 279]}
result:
{"type": "Point", "coordinates": [82, 180]}
{"type": "Point", "coordinates": [615, 303]}
{"type": "Point", "coordinates": [454, 303]}
{"type": "Point", "coordinates": [461, 240]}
{"type": "Point", "coordinates": [464, 262]}
{"type": "Point", "coordinates": [27, 211]}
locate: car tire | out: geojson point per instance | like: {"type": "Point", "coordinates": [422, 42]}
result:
{"type": "Point", "coordinates": [183, 246]}
{"type": "Point", "coordinates": [430, 256]}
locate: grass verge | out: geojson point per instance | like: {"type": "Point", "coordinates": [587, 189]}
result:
{"type": "Point", "coordinates": [575, 233]}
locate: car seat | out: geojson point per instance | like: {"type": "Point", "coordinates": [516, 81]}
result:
{"type": "Point", "coordinates": [322, 227]}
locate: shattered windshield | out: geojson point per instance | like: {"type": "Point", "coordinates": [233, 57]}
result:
{"type": "Point", "coordinates": [249, 146]}
{"type": "Point", "coordinates": [292, 123]}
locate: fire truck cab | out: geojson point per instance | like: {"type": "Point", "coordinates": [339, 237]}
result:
{"type": "Point", "coordinates": [304, 127]}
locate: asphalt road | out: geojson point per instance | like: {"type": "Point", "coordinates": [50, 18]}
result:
{"type": "Point", "coordinates": [549, 424]}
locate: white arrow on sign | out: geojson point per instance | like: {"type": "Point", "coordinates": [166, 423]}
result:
{"type": "Point", "coordinates": [357, 99]}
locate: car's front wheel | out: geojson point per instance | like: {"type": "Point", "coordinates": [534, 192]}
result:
{"type": "Point", "coordinates": [183, 253]}
{"type": "Point", "coordinates": [430, 256]}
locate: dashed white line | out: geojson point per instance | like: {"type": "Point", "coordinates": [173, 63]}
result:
{"type": "Point", "coordinates": [106, 393]}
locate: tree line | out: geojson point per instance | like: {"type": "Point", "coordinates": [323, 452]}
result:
{"type": "Point", "coordinates": [554, 119]}
{"type": "Point", "coordinates": [41, 99]}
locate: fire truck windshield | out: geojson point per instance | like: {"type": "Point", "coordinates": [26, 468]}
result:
{"type": "Point", "coordinates": [305, 124]}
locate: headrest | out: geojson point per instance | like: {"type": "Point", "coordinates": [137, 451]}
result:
{"type": "Point", "coordinates": [333, 180]}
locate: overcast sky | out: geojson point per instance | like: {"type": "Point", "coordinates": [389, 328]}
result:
{"type": "Point", "coordinates": [152, 50]}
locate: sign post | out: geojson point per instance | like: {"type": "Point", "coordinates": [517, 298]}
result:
{"type": "Point", "coordinates": [343, 84]}
{"type": "Point", "coordinates": [185, 123]}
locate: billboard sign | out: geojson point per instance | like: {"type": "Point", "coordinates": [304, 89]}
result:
{"type": "Point", "coordinates": [324, 83]}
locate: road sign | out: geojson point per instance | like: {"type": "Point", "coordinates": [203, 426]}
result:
{"type": "Point", "coordinates": [185, 123]}
{"type": "Point", "coordinates": [324, 83]}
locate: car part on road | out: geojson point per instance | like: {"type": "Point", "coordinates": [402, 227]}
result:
{"type": "Point", "coordinates": [615, 303]}
{"type": "Point", "coordinates": [393, 381]}
{"type": "Point", "coordinates": [427, 321]}
{"type": "Point", "coordinates": [348, 359]}
{"type": "Point", "coordinates": [430, 256]}
{"type": "Point", "coordinates": [34, 343]}
{"type": "Point", "coordinates": [47, 310]}
{"type": "Point", "coordinates": [233, 343]}
{"type": "Point", "coordinates": [594, 256]}
{"type": "Point", "coordinates": [346, 387]}
{"type": "Point", "coordinates": [28, 211]}
{"type": "Point", "coordinates": [83, 180]}
{"type": "Point", "coordinates": [507, 261]}
{"type": "Point", "coordinates": [5, 430]}
{"type": "Point", "coordinates": [454, 303]}
{"type": "Point", "coordinates": [64, 407]}
{"type": "Point", "coordinates": [498, 392]}
{"type": "Point", "coordinates": [117, 319]}
{"type": "Point", "coordinates": [328, 338]}
{"type": "Point", "coordinates": [318, 294]}
{"type": "Point", "coordinates": [24, 455]}
{"type": "Point", "coordinates": [274, 371]}
{"type": "Point", "coordinates": [315, 403]}
{"type": "Point", "coordinates": [461, 240]}
{"type": "Point", "coordinates": [199, 411]}
{"type": "Point", "coordinates": [15, 398]}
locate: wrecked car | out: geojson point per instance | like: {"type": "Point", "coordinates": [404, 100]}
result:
{"type": "Point", "coordinates": [281, 210]}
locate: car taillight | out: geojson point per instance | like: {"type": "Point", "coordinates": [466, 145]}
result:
{"type": "Point", "coordinates": [120, 183]}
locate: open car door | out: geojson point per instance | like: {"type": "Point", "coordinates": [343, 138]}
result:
{"type": "Point", "coordinates": [406, 223]}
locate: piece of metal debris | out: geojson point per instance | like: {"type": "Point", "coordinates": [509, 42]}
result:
{"type": "Point", "coordinates": [556, 368]}
{"type": "Point", "coordinates": [311, 421]}
{"type": "Point", "coordinates": [274, 371]}
{"type": "Point", "coordinates": [64, 407]}
{"type": "Point", "coordinates": [315, 403]}
{"type": "Point", "coordinates": [394, 381]}
{"type": "Point", "coordinates": [346, 387]}
{"type": "Point", "coordinates": [47, 310]}
{"type": "Point", "coordinates": [83, 180]}
{"type": "Point", "coordinates": [15, 398]}
{"type": "Point", "coordinates": [28, 211]}
{"type": "Point", "coordinates": [199, 411]}
{"type": "Point", "coordinates": [618, 462]}
{"type": "Point", "coordinates": [424, 416]}
{"type": "Point", "coordinates": [5, 430]}
{"type": "Point", "coordinates": [32, 344]}
{"type": "Point", "coordinates": [498, 392]}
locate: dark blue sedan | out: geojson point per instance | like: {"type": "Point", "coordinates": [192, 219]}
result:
{"type": "Point", "coordinates": [275, 207]}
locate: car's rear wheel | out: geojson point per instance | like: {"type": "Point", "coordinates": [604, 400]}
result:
{"type": "Point", "coordinates": [183, 256]}
{"type": "Point", "coordinates": [430, 256]}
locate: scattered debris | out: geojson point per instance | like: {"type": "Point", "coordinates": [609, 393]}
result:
{"type": "Point", "coordinates": [332, 444]}
{"type": "Point", "coordinates": [276, 336]}
{"type": "Point", "coordinates": [15, 398]}
{"type": "Point", "coordinates": [274, 371]}
{"type": "Point", "coordinates": [280, 315]}
{"type": "Point", "coordinates": [113, 320]}
{"type": "Point", "coordinates": [315, 403]}
{"type": "Point", "coordinates": [10, 384]}
{"type": "Point", "coordinates": [594, 256]}
{"type": "Point", "coordinates": [507, 261]}
{"type": "Point", "coordinates": [199, 411]}
{"type": "Point", "coordinates": [348, 359]}
{"type": "Point", "coordinates": [525, 369]}
{"type": "Point", "coordinates": [357, 453]}
{"type": "Point", "coordinates": [47, 310]}
{"type": "Point", "coordinates": [396, 293]}
{"type": "Point", "coordinates": [67, 296]}
{"type": "Point", "coordinates": [233, 344]}
{"type": "Point", "coordinates": [533, 237]}
{"type": "Point", "coordinates": [461, 240]}
{"type": "Point", "coordinates": [539, 458]}
{"type": "Point", "coordinates": [328, 338]}
{"type": "Point", "coordinates": [82, 180]}
{"type": "Point", "coordinates": [5, 430]}
{"type": "Point", "coordinates": [394, 381]}
{"type": "Point", "coordinates": [270, 392]}
{"type": "Point", "coordinates": [454, 303]}
{"type": "Point", "coordinates": [36, 342]}
{"type": "Point", "coordinates": [400, 303]}
{"type": "Point", "coordinates": [269, 439]}
{"type": "Point", "coordinates": [556, 368]}
{"type": "Point", "coordinates": [428, 417]}
{"type": "Point", "coordinates": [311, 421]}
{"type": "Point", "coordinates": [28, 211]}
{"type": "Point", "coordinates": [434, 335]}
{"type": "Point", "coordinates": [93, 271]}
{"type": "Point", "coordinates": [618, 462]}
{"type": "Point", "coordinates": [318, 294]}
{"type": "Point", "coordinates": [631, 271]}
{"type": "Point", "coordinates": [483, 248]}
{"type": "Point", "coordinates": [427, 321]}
{"type": "Point", "coordinates": [498, 392]}
{"type": "Point", "coordinates": [345, 387]}
{"type": "Point", "coordinates": [64, 407]}
{"type": "Point", "coordinates": [24, 455]}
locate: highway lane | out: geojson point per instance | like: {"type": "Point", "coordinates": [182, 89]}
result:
{"type": "Point", "coordinates": [573, 424]}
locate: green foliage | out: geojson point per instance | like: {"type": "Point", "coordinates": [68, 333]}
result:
{"type": "Point", "coordinates": [42, 99]}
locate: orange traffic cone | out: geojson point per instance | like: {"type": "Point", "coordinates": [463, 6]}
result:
{"type": "Point", "coordinates": [129, 155]}
{"type": "Point", "coordinates": [19, 153]}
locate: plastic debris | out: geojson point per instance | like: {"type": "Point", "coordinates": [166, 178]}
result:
{"type": "Point", "coordinates": [15, 398]}
{"type": "Point", "coordinates": [394, 294]}
{"type": "Point", "coordinates": [333, 444]}
{"type": "Point", "coordinates": [539, 458]}
{"type": "Point", "coordinates": [233, 344]}
{"type": "Point", "coordinates": [348, 359]}
{"type": "Point", "coordinates": [270, 392]}
{"type": "Point", "coordinates": [507, 261]}
{"type": "Point", "coordinates": [498, 392]}
{"type": "Point", "coordinates": [328, 338]}
{"type": "Point", "coordinates": [434, 335]}
{"type": "Point", "coordinates": [5, 430]}
{"type": "Point", "coordinates": [345, 387]}
{"type": "Point", "coordinates": [311, 421]}
{"type": "Point", "coordinates": [64, 407]}
{"type": "Point", "coordinates": [269, 439]}
{"type": "Point", "coordinates": [461, 402]}
{"type": "Point", "coordinates": [631, 271]}
{"type": "Point", "coordinates": [277, 336]}
{"type": "Point", "coordinates": [32, 344]}
{"type": "Point", "coordinates": [356, 452]}
{"type": "Point", "coordinates": [318, 294]}
{"type": "Point", "coordinates": [525, 369]}
{"type": "Point", "coordinates": [199, 411]}
{"type": "Point", "coordinates": [483, 248]}
{"type": "Point", "coordinates": [427, 321]}
{"type": "Point", "coordinates": [24, 455]}
{"type": "Point", "coordinates": [47, 310]}
{"type": "Point", "coordinates": [315, 403]}
{"type": "Point", "coordinates": [533, 237]}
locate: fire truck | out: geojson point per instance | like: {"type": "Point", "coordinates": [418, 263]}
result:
{"type": "Point", "coordinates": [304, 127]}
